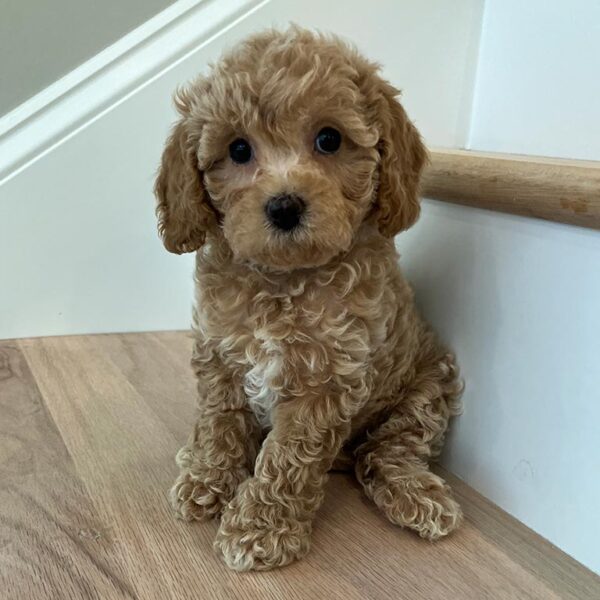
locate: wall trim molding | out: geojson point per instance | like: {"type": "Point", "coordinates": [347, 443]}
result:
{"type": "Point", "coordinates": [76, 100]}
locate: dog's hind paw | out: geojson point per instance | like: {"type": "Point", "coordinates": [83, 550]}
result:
{"type": "Point", "coordinates": [421, 501]}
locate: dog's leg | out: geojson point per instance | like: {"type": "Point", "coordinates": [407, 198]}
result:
{"type": "Point", "coordinates": [269, 522]}
{"type": "Point", "coordinates": [222, 449]}
{"type": "Point", "coordinates": [216, 459]}
{"type": "Point", "coordinates": [392, 465]}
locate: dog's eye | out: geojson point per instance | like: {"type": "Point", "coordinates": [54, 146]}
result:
{"type": "Point", "coordinates": [240, 151]}
{"type": "Point", "coordinates": [328, 140]}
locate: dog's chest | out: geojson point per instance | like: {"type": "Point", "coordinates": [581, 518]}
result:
{"type": "Point", "coordinates": [293, 339]}
{"type": "Point", "coordinates": [269, 354]}
{"type": "Point", "coordinates": [263, 374]}
{"type": "Point", "coordinates": [276, 343]}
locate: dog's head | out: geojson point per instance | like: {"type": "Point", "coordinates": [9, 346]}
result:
{"type": "Point", "coordinates": [288, 145]}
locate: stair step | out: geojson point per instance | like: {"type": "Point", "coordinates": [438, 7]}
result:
{"type": "Point", "coordinates": [89, 428]}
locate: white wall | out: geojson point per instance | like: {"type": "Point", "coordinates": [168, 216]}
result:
{"type": "Point", "coordinates": [78, 224]}
{"type": "Point", "coordinates": [41, 41]}
{"type": "Point", "coordinates": [519, 298]}
{"type": "Point", "coordinates": [538, 89]}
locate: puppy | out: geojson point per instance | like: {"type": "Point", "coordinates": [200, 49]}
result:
{"type": "Point", "coordinates": [289, 173]}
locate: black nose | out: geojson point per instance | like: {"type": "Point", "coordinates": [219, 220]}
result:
{"type": "Point", "coordinates": [284, 211]}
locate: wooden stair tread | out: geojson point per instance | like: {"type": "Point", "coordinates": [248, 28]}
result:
{"type": "Point", "coordinates": [89, 426]}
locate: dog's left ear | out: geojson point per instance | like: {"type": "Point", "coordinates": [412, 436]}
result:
{"type": "Point", "coordinates": [402, 158]}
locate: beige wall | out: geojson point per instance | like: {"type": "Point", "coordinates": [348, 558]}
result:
{"type": "Point", "coordinates": [42, 40]}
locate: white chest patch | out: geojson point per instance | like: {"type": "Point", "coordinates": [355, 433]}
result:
{"type": "Point", "coordinates": [265, 369]}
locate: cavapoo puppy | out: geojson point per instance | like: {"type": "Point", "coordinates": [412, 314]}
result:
{"type": "Point", "coordinates": [291, 169]}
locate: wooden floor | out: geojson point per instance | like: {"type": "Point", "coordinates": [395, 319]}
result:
{"type": "Point", "coordinates": [88, 430]}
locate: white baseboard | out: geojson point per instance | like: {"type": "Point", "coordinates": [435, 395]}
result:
{"type": "Point", "coordinates": [49, 118]}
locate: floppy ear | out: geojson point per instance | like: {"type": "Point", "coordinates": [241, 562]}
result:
{"type": "Point", "coordinates": [183, 211]}
{"type": "Point", "coordinates": [402, 158]}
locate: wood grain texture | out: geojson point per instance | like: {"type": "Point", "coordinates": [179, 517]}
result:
{"type": "Point", "coordinates": [566, 191]}
{"type": "Point", "coordinates": [89, 426]}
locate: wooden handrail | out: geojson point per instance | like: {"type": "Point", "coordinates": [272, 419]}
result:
{"type": "Point", "coordinates": [567, 191]}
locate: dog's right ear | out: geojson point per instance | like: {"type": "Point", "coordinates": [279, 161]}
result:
{"type": "Point", "coordinates": [183, 211]}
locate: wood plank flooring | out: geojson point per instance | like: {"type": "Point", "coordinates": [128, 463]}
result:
{"type": "Point", "coordinates": [89, 426]}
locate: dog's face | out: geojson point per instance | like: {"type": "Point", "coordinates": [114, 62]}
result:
{"type": "Point", "coordinates": [287, 147]}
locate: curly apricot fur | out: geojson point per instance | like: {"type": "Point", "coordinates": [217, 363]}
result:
{"type": "Point", "coordinates": [308, 347]}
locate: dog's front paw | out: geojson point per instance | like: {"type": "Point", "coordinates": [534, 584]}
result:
{"type": "Point", "coordinates": [201, 493]}
{"type": "Point", "coordinates": [192, 500]}
{"type": "Point", "coordinates": [254, 535]}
